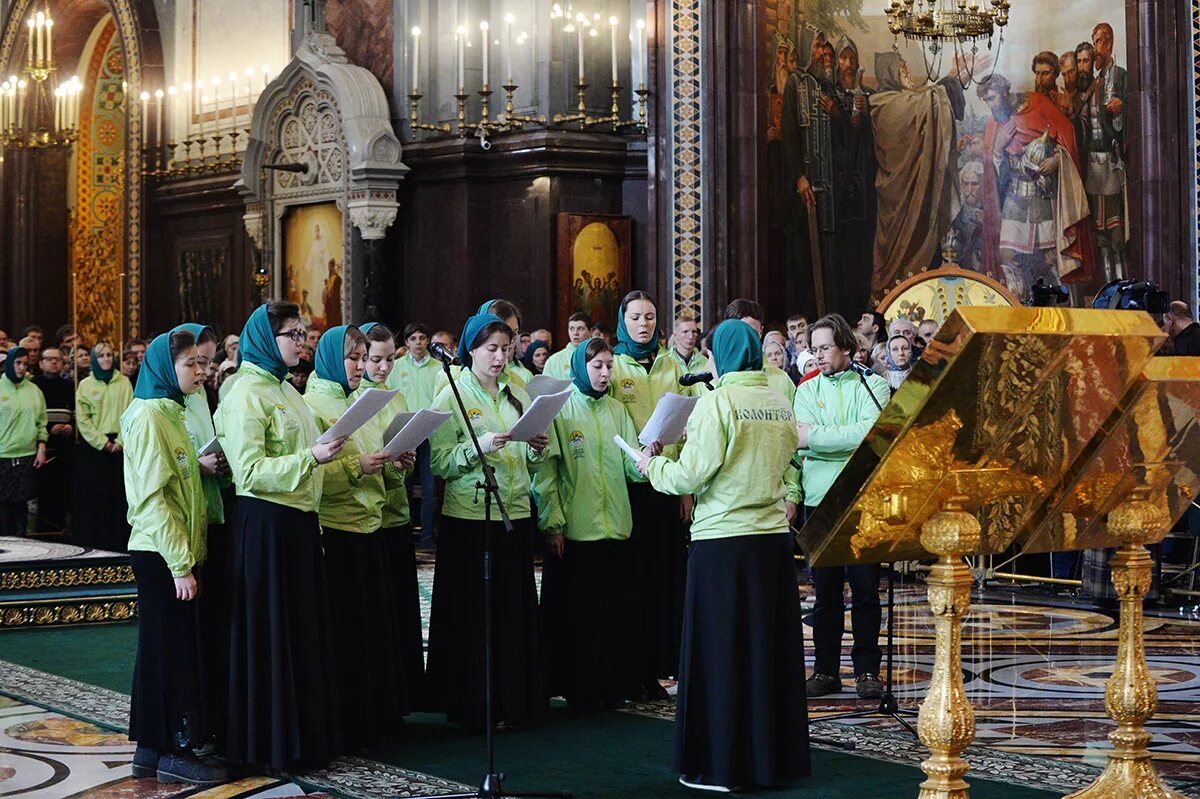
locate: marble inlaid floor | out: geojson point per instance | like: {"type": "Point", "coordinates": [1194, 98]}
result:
{"type": "Point", "coordinates": [18, 550]}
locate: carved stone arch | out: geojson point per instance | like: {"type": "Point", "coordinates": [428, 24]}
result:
{"type": "Point", "coordinates": [141, 45]}
{"type": "Point", "coordinates": [355, 160]}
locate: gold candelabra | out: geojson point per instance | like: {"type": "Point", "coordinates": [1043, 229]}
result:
{"type": "Point", "coordinates": [203, 155]}
{"type": "Point", "coordinates": [613, 118]}
{"type": "Point", "coordinates": [35, 110]}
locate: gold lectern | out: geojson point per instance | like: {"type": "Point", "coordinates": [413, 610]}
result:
{"type": "Point", "coordinates": [987, 425]}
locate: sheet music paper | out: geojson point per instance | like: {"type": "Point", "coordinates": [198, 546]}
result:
{"type": "Point", "coordinates": [545, 384]}
{"type": "Point", "coordinates": [420, 426]}
{"type": "Point", "coordinates": [212, 446]}
{"type": "Point", "coordinates": [396, 425]}
{"type": "Point", "coordinates": [361, 411]}
{"type": "Point", "coordinates": [669, 419]}
{"type": "Point", "coordinates": [636, 455]}
{"type": "Point", "coordinates": [539, 416]}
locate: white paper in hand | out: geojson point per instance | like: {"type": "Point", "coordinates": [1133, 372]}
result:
{"type": "Point", "coordinates": [539, 416]}
{"type": "Point", "coordinates": [669, 419]}
{"type": "Point", "coordinates": [361, 411]}
{"type": "Point", "coordinates": [634, 454]}
{"type": "Point", "coordinates": [212, 446]}
{"type": "Point", "coordinates": [395, 426]}
{"type": "Point", "coordinates": [545, 384]}
{"type": "Point", "coordinates": [419, 427]}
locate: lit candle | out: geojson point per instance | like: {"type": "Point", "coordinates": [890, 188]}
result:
{"type": "Point", "coordinates": [641, 53]}
{"type": "Point", "coordinates": [483, 34]}
{"type": "Point", "coordinates": [582, 20]}
{"type": "Point", "coordinates": [49, 37]}
{"type": "Point", "coordinates": [21, 86]}
{"type": "Point", "coordinates": [172, 112]}
{"type": "Point", "coordinates": [416, 59]}
{"type": "Point", "coordinates": [233, 87]}
{"type": "Point", "coordinates": [158, 123]}
{"type": "Point", "coordinates": [266, 76]}
{"type": "Point", "coordinates": [185, 108]}
{"type": "Point", "coordinates": [509, 19]}
{"type": "Point", "coordinates": [203, 102]}
{"type": "Point", "coordinates": [58, 96]}
{"type": "Point", "coordinates": [612, 25]}
{"type": "Point", "coordinates": [145, 96]}
{"type": "Point", "coordinates": [461, 35]}
{"type": "Point", "coordinates": [216, 90]}
{"type": "Point", "coordinates": [249, 96]}
{"type": "Point", "coordinates": [30, 39]}
{"type": "Point", "coordinates": [40, 36]}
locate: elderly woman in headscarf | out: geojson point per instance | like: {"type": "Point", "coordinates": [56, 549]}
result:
{"type": "Point", "coordinates": [741, 583]}
{"type": "Point", "coordinates": [898, 356]}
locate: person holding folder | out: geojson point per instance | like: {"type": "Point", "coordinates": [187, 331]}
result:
{"type": "Point", "coordinates": [741, 718]}
{"type": "Point", "coordinates": [397, 528]}
{"type": "Point", "coordinates": [455, 675]}
{"type": "Point", "coordinates": [584, 512]}
{"type": "Point", "coordinates": [98, 509]}
{"type": "Point", "coordinates": [283, 694]}
{"type": "Point", "coordinates": [641, 375]}
{"type": "Point", "coordinates": [362, 599]}
{"type": "Point", "coordinates": [167, 548]}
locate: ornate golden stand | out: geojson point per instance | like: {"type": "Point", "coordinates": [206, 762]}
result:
{"type": "Point", "coordinates": [946, 723]}
{"type": "Point", "coordinates": [1130, 695]}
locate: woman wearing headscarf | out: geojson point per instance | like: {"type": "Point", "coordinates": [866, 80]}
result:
{"type": "Point", "coordinates": [167, 547]}
{"type": "Point", "coordinates": [98, 511]}
{"type": "Point", "coordinates": [397, 526]}
{"type": "Point", "coordinates": [584, 510]}
{"type": "Point", "coordinates": [455, 672]}
{"type": "Point", "coordinates": [282, 707]}
{"type": "Point", "coordinates": [23, 437]}
{"type": "Point", "coordinates": [640, 377]}
{"type": "Point", "coordinates": [535, 357]}
{"type": "Point", "coordinates": [366, 633]}
{"type": "Point", "coordinates": [214, 480]}
{"type": "Point", "coordinates": [898, 357]}
{"type": "Point", "coordinates": [741, 719]}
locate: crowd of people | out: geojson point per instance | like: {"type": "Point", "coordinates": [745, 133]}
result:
{"type": "Point", "coordinates": [279, 622]}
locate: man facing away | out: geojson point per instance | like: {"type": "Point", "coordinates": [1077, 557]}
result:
{"type": "Point", "coordinates": [833, 412]}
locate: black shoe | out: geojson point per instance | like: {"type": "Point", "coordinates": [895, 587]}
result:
{"type": "Point", "coordinates": [822, 685]}
{"type": "Point", "coordinates": [190, 769]}
{"type": "Point", "coordinates": [145, 762]}
{"type": "Point", "coordinates": [868, 686]}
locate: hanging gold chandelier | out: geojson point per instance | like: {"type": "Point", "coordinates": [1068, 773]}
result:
{"type": "Point", "coordinates": [35, 110]}
{"type": "Point", "coordinates": [949, 25]}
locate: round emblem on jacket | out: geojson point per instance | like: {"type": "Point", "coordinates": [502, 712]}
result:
{"type": "Point", "coordinates": [577, 444]}
{"type": "Point", "coordinates": [181, 457]}
{"type": "Point", "coordinates": [628, 386]}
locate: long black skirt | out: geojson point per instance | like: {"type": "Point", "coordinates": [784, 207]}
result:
{"type": "Point", "coordinates": [166, 711]}
{"type": "Point", "coordinates": [454, 677]}
{"type": "Point", "coordinates": [742, 717]}
{"type": "Point", "coordinates": [98, 507]}
{"type": "Point", "coordinates": [587, 615]}
{"type": "Point", "coordinates": [659, 543]}
{"type": "Point", "coordinates": [362, 606]}
{"type": "Point", "coordinates": [283, 694]}
{"type": "Point", "coordinates": [403, 557]}
{"type": "Point", "coordinates": [213, 619]}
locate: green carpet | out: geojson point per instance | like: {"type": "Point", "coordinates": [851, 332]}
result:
{"type": "Point", "coordinates": [600, 755]}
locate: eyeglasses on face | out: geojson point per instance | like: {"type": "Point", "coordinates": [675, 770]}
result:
{"type": "Point", "coordinates": [296, 334]}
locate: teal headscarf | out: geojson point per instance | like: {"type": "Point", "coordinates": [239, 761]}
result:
{"type": "Point", "coordinates": [486, 308]}
{"type": "Point", "coordinates": [627, 346]}
{"type": "Point", "coordinates": [579, 372]}
{"type": "Point", "coordinates": [257, 345]}
{"type": "Point", "coordinates": [330, 361]}
{"type": "Point", "coordinates": [470, 330]}
{"type": "Point", "coordinates": [156, 377]}
{"type": "Point", "coordinates": [736, 348]}
{"type": "Point", "coordinates": [195, 329]}
{"type": "Point", "coordinates": [364, 329]}
{"type": "Point", "coordinates": [527, 358]}
{"type": "Point", "coordinates": [103, 375]}
{"type": "Point", "coordinates": [10, 366]}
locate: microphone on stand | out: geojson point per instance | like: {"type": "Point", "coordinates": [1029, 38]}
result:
{"type": "Point", "coordinates": [862, 373]}
{"type": "Point", "coordinates": [699, 377]}
{"type": "Point", "coordinates": [444, 354]}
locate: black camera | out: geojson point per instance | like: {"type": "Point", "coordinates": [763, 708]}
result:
{"type": "Point", "coordinates": [1046, 296]}
{"type": "Point", "coordinates": [1133, 295]}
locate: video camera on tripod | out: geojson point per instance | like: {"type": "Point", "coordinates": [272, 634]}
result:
{"type": "Point", "coordinates": [1133, 295]}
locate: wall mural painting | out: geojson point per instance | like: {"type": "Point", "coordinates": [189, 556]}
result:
{"type": "Point", "coordinates": [881, 162]}
{"type": "Point", "coordinates": [593, 266]}
{"type": "Point", "coordinates": [312, 257]}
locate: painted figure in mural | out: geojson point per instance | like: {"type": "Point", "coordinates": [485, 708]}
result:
{"type": "Point", "coordinates": [1069, 98]}
{"type": "Point", "coordinates": [1035, 209]}
{"type": "Point", "coordinates": [318, 256]}
{"type": "Point", "coordinates": [331, 296]}
{"type": "Point", "coordinates": [967, 227]}
{"type": "Point", "coordinates": [1101, 128]}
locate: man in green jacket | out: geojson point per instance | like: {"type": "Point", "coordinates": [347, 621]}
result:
{"type": "Point", "coordinates": [834, 411]}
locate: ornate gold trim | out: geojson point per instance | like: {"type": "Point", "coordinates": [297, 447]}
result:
{"type": "Point", "coordinates": [112, 609]}
{"type": "Point", "coordinates": [65, 577]}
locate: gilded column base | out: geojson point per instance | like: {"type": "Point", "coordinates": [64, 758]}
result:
{"type": "Point", "coordinates": [1128, 776]}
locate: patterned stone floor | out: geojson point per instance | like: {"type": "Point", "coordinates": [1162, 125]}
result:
{"type": "Point", "coordinates": [1035, 671]}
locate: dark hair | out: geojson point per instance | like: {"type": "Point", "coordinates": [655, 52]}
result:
{"type": "Point", "coordinates": [797, 317]}
{"type": "Point", "coordinates": [1079, 48]}
{"type": "Point", "coordinates": [742, 308]}
{"type": "Point", "coordinates": [1048, 58]}
{"type": "Point", "coordinates": [595, 347]}
{"type": "Point", "coordinates": [580, 316]}
{"type": "Point", "coordinates": [504, 309]}
{"type": "Point", "coordinates": [996, 84]}
{"type": "Point", "coordinates": [64, 331]}
{"type": "Point", "coordinates": [416, 327]}
{"type": "Point", "coordinates": [706, 339]}
{"type": "Point", "coordinates": [843, 335]}
{"type": "Point", "coordinates": [600, 327]}
{"type": "Point", "coordinates": [31, 329]}
{"type": "Point", "coordinates": [207, 334]}
{"type": "Point", "coordinates": [636, 295]}
{"type": "Point", "coordinates": [129, 344]}
{"type": "Point", "coordinates": [489, 330]}
{"type": "Point", "coordinates": [353, 338]}
{"type": "Point", "coordinates": [379, 332]}
{"type": "Point", "coordinates": [180, 341]}
{"type": "Point", "coordinates": [304, 367]}
{"type": "Point", "coordinates": [279, 312]}
{"type": "Point", "coordinates": [879, 320]}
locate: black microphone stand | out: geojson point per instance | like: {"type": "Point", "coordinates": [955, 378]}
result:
{"type": "Point", "coordinates": [492, 786]}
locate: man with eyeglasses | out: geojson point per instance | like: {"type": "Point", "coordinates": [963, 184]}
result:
{"type": "Point", "coordinates": [833, 413]}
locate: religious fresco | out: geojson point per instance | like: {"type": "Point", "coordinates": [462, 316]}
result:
{"type": "Point", "coordinates": [882, 163]}
{"type": "Point", "coordinates": [312, 257]}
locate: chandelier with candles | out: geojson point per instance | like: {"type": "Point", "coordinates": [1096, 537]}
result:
{"type": "Point", "coordinates": [35, 109]}
{"type": "Point", "coordinates": [949, 25]}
